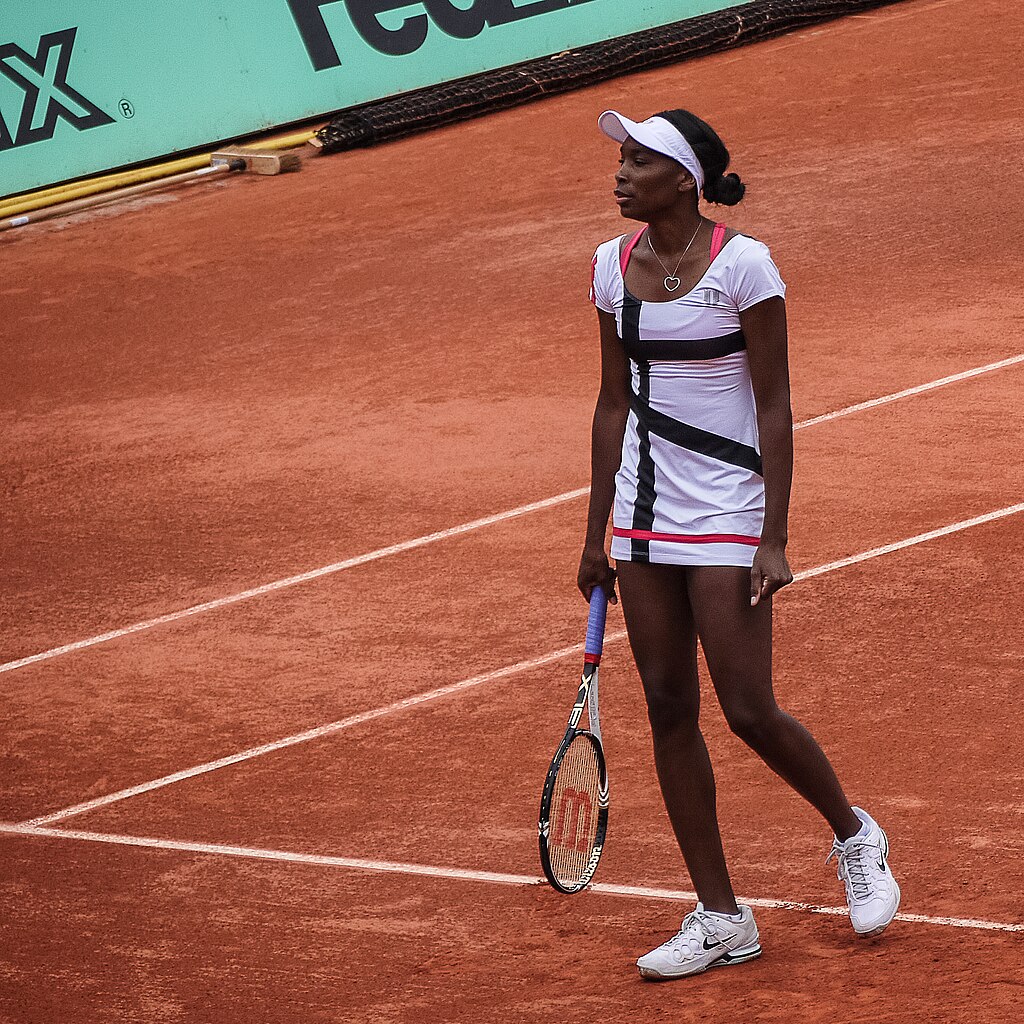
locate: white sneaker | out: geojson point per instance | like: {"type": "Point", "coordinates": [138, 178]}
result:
{"type": "Point", "coordinates": [871, 891]}
{"type": "Point", "coordinates": [705, 940]}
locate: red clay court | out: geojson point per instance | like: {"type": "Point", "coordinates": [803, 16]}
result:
{"type": "Point", "coordinates": [213, 392]}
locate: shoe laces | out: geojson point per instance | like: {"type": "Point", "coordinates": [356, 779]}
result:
{"type": "Point", "coordinates": [859, 865]}
{"type": "Point", "coordinates": [689, 940]}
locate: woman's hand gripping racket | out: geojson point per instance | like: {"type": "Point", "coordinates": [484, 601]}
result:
{"type": "Point", "coordinates": [574, 806]}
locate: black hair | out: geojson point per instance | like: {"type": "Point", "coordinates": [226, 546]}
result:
{"type": "Point", "coordinates": [719, 187]}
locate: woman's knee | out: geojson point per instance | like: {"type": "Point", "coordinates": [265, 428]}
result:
{"type": "Point", "coordinates": [671, 706]}
{"type": "Point", "coordinates": [754, 723]}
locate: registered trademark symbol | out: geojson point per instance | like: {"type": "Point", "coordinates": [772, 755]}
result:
{"type": "Point", "coordinates": [127, 110]}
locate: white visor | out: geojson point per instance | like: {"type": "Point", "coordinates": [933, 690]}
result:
{"type": "Point", "coordinates": [657, 134]}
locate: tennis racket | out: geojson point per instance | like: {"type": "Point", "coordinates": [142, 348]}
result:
{"type": "Point", "coordinates": [574, 805]}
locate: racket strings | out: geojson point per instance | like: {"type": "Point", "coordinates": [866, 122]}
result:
{"type": "Point", "coordinates": [575, 807]}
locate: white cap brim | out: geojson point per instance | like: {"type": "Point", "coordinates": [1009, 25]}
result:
{"type": "Point", "coordinates": [619, 127]}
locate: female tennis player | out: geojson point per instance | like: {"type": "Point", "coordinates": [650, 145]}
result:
{"type": "Point", "coordinates": [693, 444]}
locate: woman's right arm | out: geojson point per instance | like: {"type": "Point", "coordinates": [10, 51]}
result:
{"type": "Point", "coordinates": [606, 450]}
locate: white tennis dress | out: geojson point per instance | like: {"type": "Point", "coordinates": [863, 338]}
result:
{"type": "Point", "coordinates": [689, 489]}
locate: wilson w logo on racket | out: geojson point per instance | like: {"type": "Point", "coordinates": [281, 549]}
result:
{"type": "Point", "coordinates": [574, 805]}
{"type": "Point", "coordinates": [572, 824]}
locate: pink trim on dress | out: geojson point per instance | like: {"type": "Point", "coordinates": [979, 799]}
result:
{"type": "Point", "coordinates": [628, 251]}
{"type": "Point", "coordinates": [717, 240]}
{"type": "Point", "coordinates": [682, 538]}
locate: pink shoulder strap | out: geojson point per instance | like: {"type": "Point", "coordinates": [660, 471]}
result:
{"type": "Point", "coordinates": [628, 251]}
{"type": "Point", "coordinates": [717, 240]}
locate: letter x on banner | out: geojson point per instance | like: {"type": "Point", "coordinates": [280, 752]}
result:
{"type": "Point", "coordinates": [43, 79]}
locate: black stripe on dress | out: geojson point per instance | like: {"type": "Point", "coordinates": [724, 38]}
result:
{"type": "Point", "coordinates": [694, 439]}
{"type": "Point", "coordinates": [643, 506]}
{"type": "Point", "coordinates": [685, 351]}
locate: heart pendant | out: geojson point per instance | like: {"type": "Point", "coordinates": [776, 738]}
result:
{"type": "Point", "coordinates": [671, 283]}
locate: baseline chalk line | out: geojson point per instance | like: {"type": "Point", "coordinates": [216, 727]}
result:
{"type": "Point", "coordinates": [464, 874]}
{"type": "Point", "coordinates": [473, 681]}
{"type": "Point", "coordinates": [303, 577]}
{"type": "Point", "coordinates": [440, 535]}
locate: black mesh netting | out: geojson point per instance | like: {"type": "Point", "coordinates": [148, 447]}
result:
{"type": "Point", "coordinates": [508, 87]}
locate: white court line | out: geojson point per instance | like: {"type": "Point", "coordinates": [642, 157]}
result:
{"type": "Point", "coordinates": [316, 732]}
{"type": "Point", "coordinates": [463, 874]}
{"type": "Point", "coordinates": [920, 389]}
{"type": "Point", "coordinates": [466, 684]}
{"type": "Point", "coordinates": [896, 13]}
{"type": "Point", "coordinates": [304, 577]}
{"type": "Point", "coordinates": [921, 538]}
{"type": "Point", "coordinates": [454, 531]}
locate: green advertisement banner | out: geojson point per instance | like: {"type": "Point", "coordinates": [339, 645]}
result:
{"type": "Point", "coordinates": [90, 85]}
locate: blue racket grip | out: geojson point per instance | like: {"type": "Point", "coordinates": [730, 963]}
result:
{"type": "Point", "coordinates": [595, 626]}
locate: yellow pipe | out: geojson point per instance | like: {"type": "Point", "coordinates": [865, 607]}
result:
{"type": "Point", "coordinates": [171, 167]}
{"type": "Point", "coordinates": [105, 183]}
{"type": "Point", "coordinates": [81, 189]}
{"type": "Point", "coordinates": [77, 190]}
{"type": "Point", "coordinates": [283, 141]}
{"type": "Point", "coordinates": [144, 173]}
{"type": "Point", "coordinates": [90, 202]}
{"type": "Point", "coordinates": [113, 179]}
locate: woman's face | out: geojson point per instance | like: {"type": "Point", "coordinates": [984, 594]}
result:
{"type": "Point", "coordinates": [648, 183]}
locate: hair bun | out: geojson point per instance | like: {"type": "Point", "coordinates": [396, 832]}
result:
{"type": "Point", "coordinates": [726, 190]}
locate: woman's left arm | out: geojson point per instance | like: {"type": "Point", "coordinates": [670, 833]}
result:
{"type": "Point", "coordinates": [764, 327]}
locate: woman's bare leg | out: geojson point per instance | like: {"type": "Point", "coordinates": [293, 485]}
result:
{"type": "Point", "coordinates": [660, 624]}
{"type": "Point", "coordinates": [737, 643]}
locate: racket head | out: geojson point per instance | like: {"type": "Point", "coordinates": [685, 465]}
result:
{"type": "Point", "coordinates": [574, 812]}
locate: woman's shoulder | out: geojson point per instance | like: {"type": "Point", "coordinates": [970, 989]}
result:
{"type": "Point", "coordinates": [746, 271]}
{"type": "Point", "coordinates": [742, 254]}
{"type": "Point", "coordinates": [612, 247]}
{"type": "Point", "coordinates": [607, 256]}
{"type": "Point", "coordinates": [740, 246]}
{"type": "Point", "coordinates": [605, 283]}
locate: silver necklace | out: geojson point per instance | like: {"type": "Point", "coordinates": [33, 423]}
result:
{"type": "Point", "coordinates": [671, 281]}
